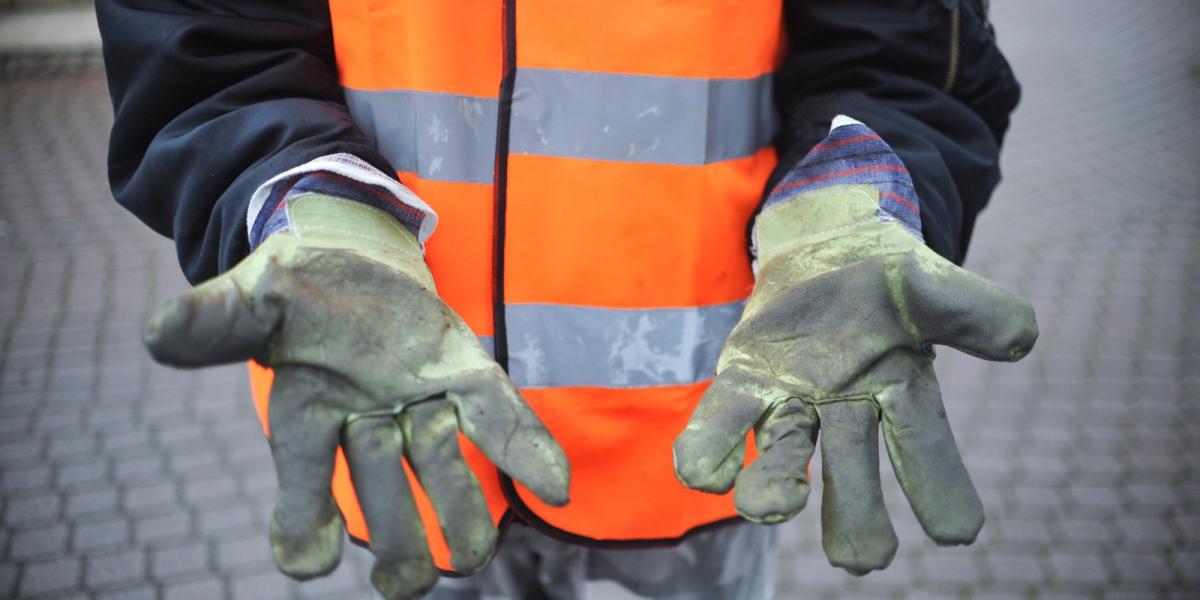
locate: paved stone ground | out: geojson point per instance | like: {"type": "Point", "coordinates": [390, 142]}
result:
{"type": "Point", "coordinates": [121, 479]}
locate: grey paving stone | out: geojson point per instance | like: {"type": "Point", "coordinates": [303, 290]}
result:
{"type": "Point", "coordinates": [1146, 531]}
{"type": "Point", "coordinates": [1086, 531]}
{"type": "Point", "coordinates": [1157, 466]}
{"type": "Point", "coordinates": [1099, 469]}
{"type": "Point", "coordinates": [19, 454]}
{"type": "Point", "coordinates": [57, 576]}
{"type": "Point", "coordinates": [1079, 568]}
{"type": "Point", "coordinates": [71, 446]}
{"type": "Point", "coordinates": [1129, 594]}
{"type": "Point", "coordinates": [170, 526]}
{"type": "Point", "coordinates": [264, 586]}
{"type": "Point", "coordinates": [12, 425]}
{"type": "Point", "coordinates": [1151, 497]}
{"type": "Point", "coordinates": [1012, 568]}
{"type": "Point", "coordinates": [25, 511]}
{"type": "Point", "coordinates": [200, 589]}
{"type": "Point", "coordinates": [136, 499]}
{"type": "Point", "coordinates": [87, 475]}
{"type": "Point", "coordinates": [138, 469]}
{"type": "Point", "coordinates": [71, 596]}
{"type": "Point", "coordinates": [189, 461]}
{"type": "Point", "coordinates": [1061, 594]}
{"type": "Point", "coordinates": [1188, 527]}
{"type": "Point", "coordinates": [1036, 502]}
{"type": "Point", "coordinates": [215, 492]}
{"type": "Point", "coordinates": [169, 561]}
{"type": "Point", "coordinates": [137, 592]}
{"type": "Point", "coordinates": [252, 552]}
{"type": "Point", "coordinates": [41, 542]}
{"type": "Point", "coordinates": [1143, 568]}
{"type": "Point", "coordinates": [96, 501]}
{"type": "Point", "coordinates": [27, 478]}
{"type": "Point", "coordinates": [951, 568]}
{"type": "Point", "coordinates": [115, 441]}
{"type": "Point", "coordinates": [176, 431]}
{"type": "Point", "coordinates": [262, 489]}
{"type": "Point", "coordinates": [109, 569]}
{"type": "Point", "coordinates": [8, 580]}
{"type": "Point", "coordinates": [923, 593]}
{"type": "Point", "coordinates": [1094, 500]}
{"type": "Point", "coordinates": [1187, 566]}
{"type": "Point", "coordinates": [238, 517]}
{"type": "Point", "coordinates": [107, 531]}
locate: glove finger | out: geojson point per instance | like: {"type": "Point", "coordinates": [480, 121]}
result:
{"type": "Point", "coordinates": [710, 451]}
{"type": "Point", "coordinates": [494, 417]}
{"type": "Point", "coordinates": [403, 565]}
{"type": "Point", "coordinates": [215, 323]}
{"type": "Point", "coordinates": [855, 529]}
{"type": "Point", "coordinates": [306, 527]}
{"type": "Point", "coordinates": [775, 486]}
{"type": "Point", "coordinates": [924, 455]}
{"type": "Point", "coordinates": [431, 432]}
{"type": "Point", "coordinates": [960, 309]}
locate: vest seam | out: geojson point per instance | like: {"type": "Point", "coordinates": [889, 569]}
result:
{"type": "Point", "coordinates": [500, 191]}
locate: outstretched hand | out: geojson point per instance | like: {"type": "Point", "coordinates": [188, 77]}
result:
{"type": "Point", "coordinates": [365, 356]}
{"type": "Point", "coordinates": [835, 342]}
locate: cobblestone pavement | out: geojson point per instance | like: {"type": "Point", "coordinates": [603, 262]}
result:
{"type": "Point", "coordinates": [121, 479]}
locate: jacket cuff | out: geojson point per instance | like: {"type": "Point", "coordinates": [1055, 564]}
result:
{"type": "Point", "coordinates": [341, 175]}
{"type": "Point", "coordinates": [853, 153]}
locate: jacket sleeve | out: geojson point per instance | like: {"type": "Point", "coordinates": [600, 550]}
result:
{"type": "Point", "coordinates": [926, 75]}
{"type": "Point", "coordinates": [211, 99]}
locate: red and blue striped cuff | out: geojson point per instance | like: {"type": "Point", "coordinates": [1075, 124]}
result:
{"type": "Point", "coordinates": [853, 153]}
{"type": "Point", "coordinates": [272, 217]}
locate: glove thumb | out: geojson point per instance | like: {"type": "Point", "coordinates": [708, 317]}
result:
{"type": "Point", "coordinates": [217, 322]}
{"type": "Point", "coordinates": [960, 309]}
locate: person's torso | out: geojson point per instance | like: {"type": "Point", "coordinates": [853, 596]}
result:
{"type": "Point", "coordinates": [594, 166]}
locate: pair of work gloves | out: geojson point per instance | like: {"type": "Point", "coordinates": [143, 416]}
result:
{"type": "Point", "coordinates": [835, 339]}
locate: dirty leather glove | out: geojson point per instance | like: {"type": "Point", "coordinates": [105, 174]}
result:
{"type": "Point", "coordinates": [836, 337]}
{"type": "Point", "coordinates": [367, 356]}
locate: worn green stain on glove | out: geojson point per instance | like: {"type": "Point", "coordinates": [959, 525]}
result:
{"type": "Point", "coordinates": [835, 339]}
{"type": "Point", "coordinates": [367, 356]}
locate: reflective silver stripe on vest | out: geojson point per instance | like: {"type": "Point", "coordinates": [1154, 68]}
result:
{"type": "Point", "coordinates": [574, 114]}
{"type": "Point", "coordinates": [489, 344]}
{"type": "Point", "coordinates": [636, 118]}
{"type": "Point", "coordinates": [552, 345]}
{"type": "Point", "coordinates": [440, 137]}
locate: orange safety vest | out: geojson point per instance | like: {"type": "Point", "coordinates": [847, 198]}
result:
{"type": "Point", "coordinates": [594, 166]}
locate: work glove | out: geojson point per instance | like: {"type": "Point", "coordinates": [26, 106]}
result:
{"type": "Point", "coordinates": [836, 338]}
{"type": "Point", "coordinates": [366, 356]}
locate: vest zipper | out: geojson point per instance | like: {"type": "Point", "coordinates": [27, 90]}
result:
{"type": "Point", "coordinates": [955, 35]}
{"type": "Point", "coordinates": [503, 124]}
{"type": "Point", "coordinates": [517, 508]}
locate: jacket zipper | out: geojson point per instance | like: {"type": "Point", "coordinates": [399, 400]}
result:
{"type": "Point", "coordinates": [955, 35]}
{"type": "Point", "coordinates": [503, 125]}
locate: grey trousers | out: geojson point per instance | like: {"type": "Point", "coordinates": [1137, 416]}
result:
{"type": "Point", "coordinates": [735, 562]}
